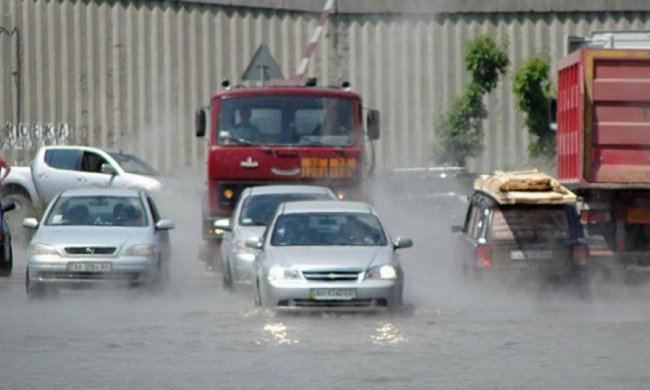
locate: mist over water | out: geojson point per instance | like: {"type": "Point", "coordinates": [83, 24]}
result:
{"type": "Point", "coordinates": [195, 334]}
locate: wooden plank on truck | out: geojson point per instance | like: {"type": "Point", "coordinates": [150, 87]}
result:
{"type": "Point", "coordinates": [532, 187]}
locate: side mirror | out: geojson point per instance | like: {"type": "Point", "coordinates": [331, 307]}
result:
{"type": "Point", "coordinates": [372, 124]}
{"type": "Point", "coordinates": [457, 229]}
{"type": "Point", "coordinates": [8, 206]}
{"type": "Point", "coordinates": [223, 224]}
{"type": "Point", "coordinates": [165, 224]}
{"type": "Point", "coordinates": [402, 243]}
{"type": "Point", "coordinates": [199, 122]}
{"type": "Point", "coordinates": [552, 115]}
{"type": "Point", "coordinates": [108, 169]}
{"type": "Point", "coordinates": [254, 242]}
{"type": "Point", "coordinates": [30, 223]}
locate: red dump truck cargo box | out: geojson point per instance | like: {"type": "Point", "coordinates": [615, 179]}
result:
{"type": "Point", "coordinates": [603, 118]}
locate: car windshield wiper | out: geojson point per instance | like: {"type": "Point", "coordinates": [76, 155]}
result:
{"type": "Point", "coordinates": [243, 142]}
{"type": "Point", "coordinates": [255, 223]}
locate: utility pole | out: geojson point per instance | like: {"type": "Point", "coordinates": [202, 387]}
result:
{"type": "Point", "coordinates": [16, 73]}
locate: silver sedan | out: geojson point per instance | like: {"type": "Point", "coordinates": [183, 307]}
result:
{"type": "Point", "coordinates": [254, 211]}
{"type": "Point", "coordinates": [94, 236]}
{"type": "Point", "coordinates": [327, 254]}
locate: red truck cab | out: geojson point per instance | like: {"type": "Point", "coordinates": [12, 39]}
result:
{"type": "Point", "coordinates": [297, 134]}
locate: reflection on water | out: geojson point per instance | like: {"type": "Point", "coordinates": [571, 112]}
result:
{"type": "Point", "coordinates": [278, 333]}
{"type": "Point", "coordinates": [388, 334]}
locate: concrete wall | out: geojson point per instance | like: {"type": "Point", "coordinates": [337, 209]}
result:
{"type": "Point", "coordinates": [130, 75]}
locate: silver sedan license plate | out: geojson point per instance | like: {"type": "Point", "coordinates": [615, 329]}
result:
{"type": "Point", "coordinates": [87, 266]}
{"type": "Point", "coordinates": [332, 293]}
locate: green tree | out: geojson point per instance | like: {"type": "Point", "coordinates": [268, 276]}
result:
{"type": "Point", "coordinates": [460, 131]}
{"type": "Point", "coordinates": [533, 88]}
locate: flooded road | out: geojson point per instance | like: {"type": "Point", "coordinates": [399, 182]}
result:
{"type": "Point", "coordinates": [196, 335]}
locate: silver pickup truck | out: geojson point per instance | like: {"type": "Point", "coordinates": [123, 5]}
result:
{"type": "Point", "coordinates": [55, 168]}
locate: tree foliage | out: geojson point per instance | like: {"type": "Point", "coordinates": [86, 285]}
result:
{"type": "Point", "coordinates": [533, 88]}
{"type": "Point", "coordinates": [460, 132]}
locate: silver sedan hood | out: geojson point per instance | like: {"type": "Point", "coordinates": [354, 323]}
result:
{"type": "Point", "coordinates": [91, 235]}
{"type": "Point", "coordinates": [330, 257]}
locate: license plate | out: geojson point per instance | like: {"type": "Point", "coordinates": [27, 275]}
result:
{"type": "Point", "coordinates": [531, 255]}
{"type": "Point", "coordinates": [314, 167]}
{"type": "Point", "coordinates": [342, 167]}
{"type": "Point", "coordinates": [332, 293]}
{"type": "Point", "coordinates": [324, 167]}
{"type": "Point", "coordinates": [89, 267]}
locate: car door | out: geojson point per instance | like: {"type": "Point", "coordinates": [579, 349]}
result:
{"type": "Point", "coordinates": [57, 171]}
{"type": "Point", "coordinates": [90, 171]}
{"type": "Point", "coordinates": [227, 243]}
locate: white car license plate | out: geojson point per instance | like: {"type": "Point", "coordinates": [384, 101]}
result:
{"type": "Point", "coordinates": [531, 254]}
{"type": "Point", "coordinates": [87, 266]}
{"type": "Point", "coordinates": [332, 293]}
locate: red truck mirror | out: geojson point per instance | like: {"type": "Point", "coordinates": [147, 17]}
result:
{"type": "Point", "coordinates": [199, 122]}
{"type": "Point", "coordinates": [372, 124]}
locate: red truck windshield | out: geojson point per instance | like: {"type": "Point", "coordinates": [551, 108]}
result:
{"type": "Point", "coordinates": [286, 120]}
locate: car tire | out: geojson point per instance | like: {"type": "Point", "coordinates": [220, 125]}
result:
{"type": "Point", "coordinates": [33, 289]}
{"type": "Point", "coordinates": [257, 296]}
{"type": "Point", "coordinates": [162, 277]}
{"type": "Point", "coordinates": [582, 285]}
{"type": "Point", "coordinates": [7, 265]}
{"type": "Point", "coordinates": [397, 302]}
{"type": "Point", "coordinates": [227, 277]}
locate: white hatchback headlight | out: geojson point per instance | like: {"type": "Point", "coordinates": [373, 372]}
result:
{"type": "Point", "coordinates": [277, 272]}
{"type": "Point", "coordinates": [384, 272]}
{"type": "Point", "coordinates": [139, 250]}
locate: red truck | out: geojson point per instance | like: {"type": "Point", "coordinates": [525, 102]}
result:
{"type": "Point", "coordinates": [300, 134]}
{"type": "Point", "coordinates": [603, 142]}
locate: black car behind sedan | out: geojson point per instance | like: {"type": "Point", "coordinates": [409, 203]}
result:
{"type": "Point", "coordinates": [6, 252]}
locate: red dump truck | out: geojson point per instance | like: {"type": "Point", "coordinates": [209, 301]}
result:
{"type": "Point", "coordinates": [603, 142]}
{"type": "Point", "coordinates": [284, 132]}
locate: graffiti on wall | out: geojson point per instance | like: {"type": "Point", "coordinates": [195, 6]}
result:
{"type": "Point", "coordinates": [34, 135]}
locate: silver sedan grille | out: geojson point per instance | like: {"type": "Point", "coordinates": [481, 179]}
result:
{"type": "Point", "coordinates": [90, 250]}
{"type": "Point", "coordinates": [333, 275]}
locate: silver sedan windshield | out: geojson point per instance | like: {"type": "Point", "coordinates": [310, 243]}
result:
{"type": "Point", "coordinates": [325, 229]}
{"type": "Point", "coordinates": [98, 210]}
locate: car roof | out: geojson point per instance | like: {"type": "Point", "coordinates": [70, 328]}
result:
{"type": "Point", "coordinates": [289, 188]}
{"type": "Point", "coordinates": [328, 206]}
{"type": "Point", "coordinates": [97, 191]}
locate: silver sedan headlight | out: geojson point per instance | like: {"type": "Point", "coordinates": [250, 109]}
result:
{"type": "Point", "coordinates": [139, 250]}
{"type": "Point", "coordinates": [42, 250]}
{"type": "Point", "coordinates": [383, 272]}
{"type": "Point", "coordinates": [277, 272]}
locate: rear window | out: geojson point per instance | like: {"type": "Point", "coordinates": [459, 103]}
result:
{"type": "Point", "coordinates": [258, 210]}
{"type": "Point", "coordinates": [529, 223]}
